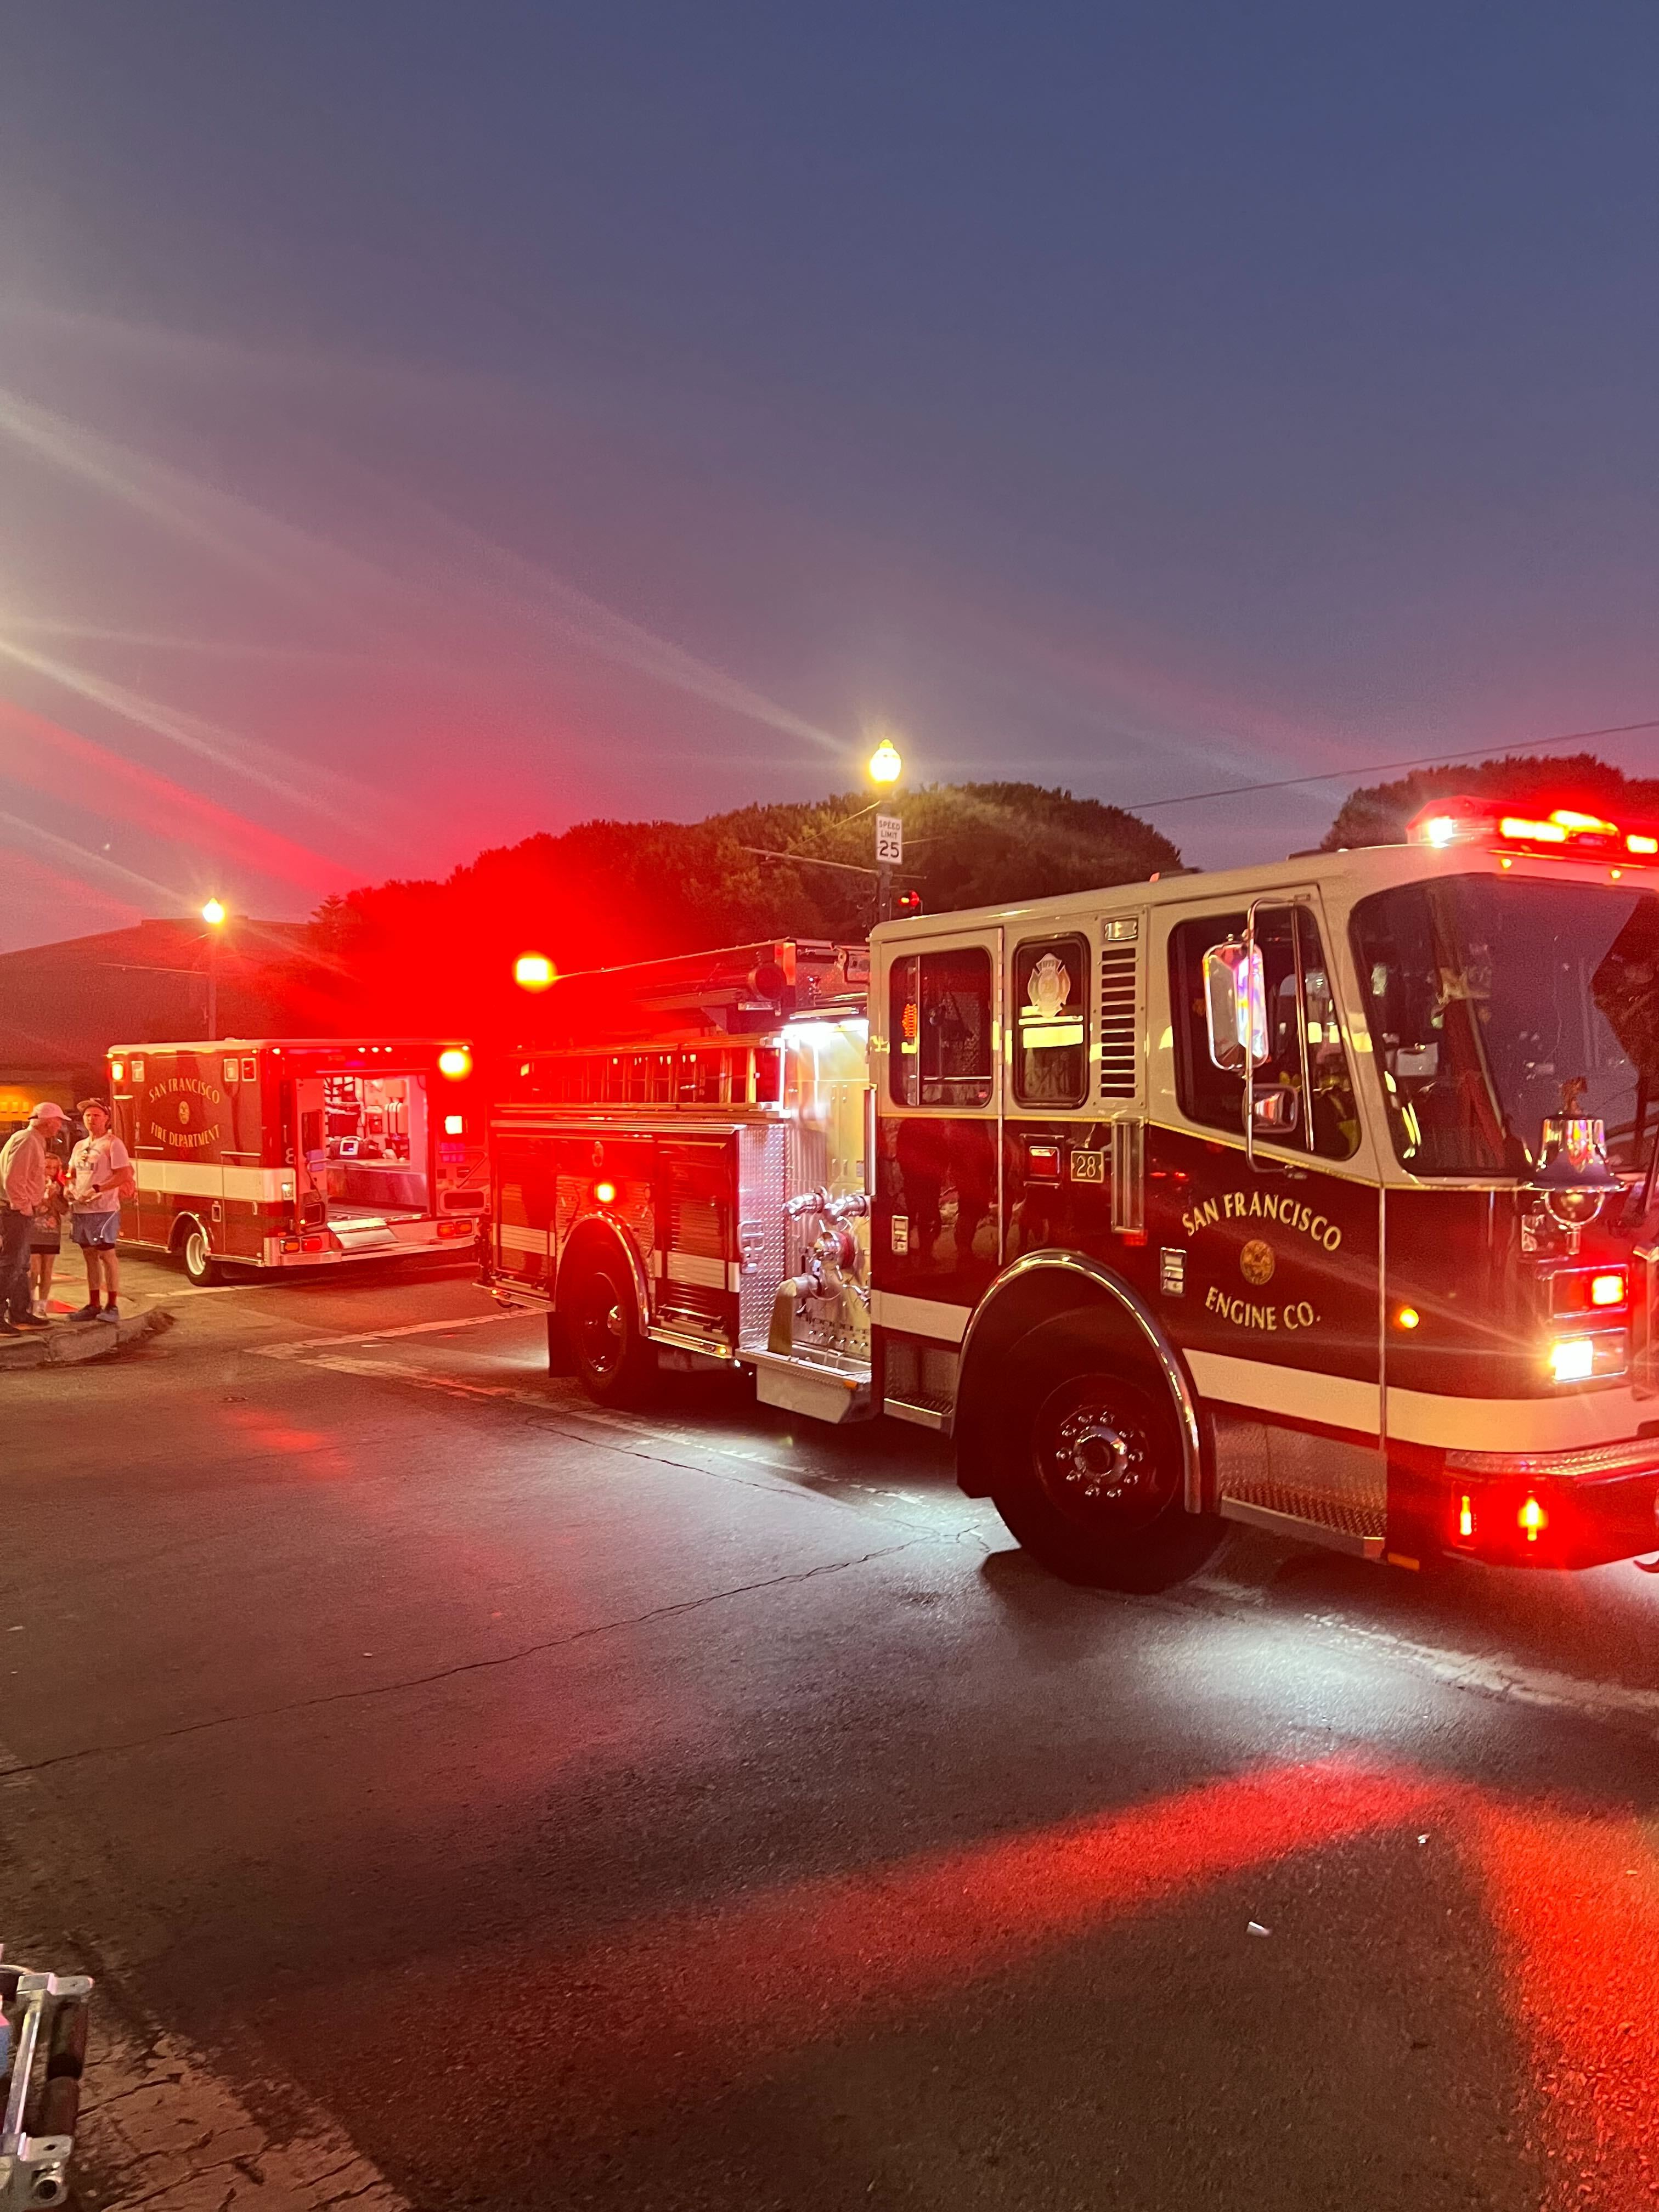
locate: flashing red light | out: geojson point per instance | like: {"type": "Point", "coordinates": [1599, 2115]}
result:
{"type": "Point", "coordinates": [1609, 1290]}
{"type": "Point", "coordinates": [534, 971]}
{"type": "Point", "coordinates": [454, 1062]}
{"type": "Point", "coordinates": [604, 1194]}
{"type": "Point", "coordinates": [1532, 1517]}
{"type": "Point", "coordinates": [1466, 1519]}
{"type": "Point", "coordinates": [1564, 830]}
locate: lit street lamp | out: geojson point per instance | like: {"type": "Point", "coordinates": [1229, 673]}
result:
{"type": "Point", "coordinates": [885, 767]}
{"type": "Point", "coordinates": [215, 915]}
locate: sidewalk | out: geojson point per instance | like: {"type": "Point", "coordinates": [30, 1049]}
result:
{"type": "Point", "coordinates": [70, 1343]}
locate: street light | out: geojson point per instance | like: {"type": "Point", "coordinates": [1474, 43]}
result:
{"type": "Point", "coordinates": [214, 915]}
{"type": "Point", "coordinates": [885, 768]}
{"type": "Point", "coordinates": [534, 971]}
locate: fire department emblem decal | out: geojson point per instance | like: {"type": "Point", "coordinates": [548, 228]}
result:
{"type": "Point", "coordinates": [1050, 986]}
{"type": "Point", "coordinates": [184, 1113]}
{"type": "Point", "coordinates": [1256, 1262]}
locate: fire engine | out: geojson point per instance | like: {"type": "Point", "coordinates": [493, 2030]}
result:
{"type": "Point", "coordinates": [1319, 1197]}
{"type": "Point", "coordinates": [299, 1152]}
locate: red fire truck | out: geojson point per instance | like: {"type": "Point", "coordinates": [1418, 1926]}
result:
{"type": "Point", "coordinates": [1319, 1196]}
{"type": "Point", "coordinates": [252, 1152]}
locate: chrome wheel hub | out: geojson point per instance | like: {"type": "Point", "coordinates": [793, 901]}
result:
{"type": "Point", "coordinates": [1096, 1462]}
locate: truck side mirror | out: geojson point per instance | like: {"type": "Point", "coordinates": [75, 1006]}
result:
{"type": "Point", "coordinates": [1235, 1007]}
{"type": "Point", "coordinates": [1276, 1109]}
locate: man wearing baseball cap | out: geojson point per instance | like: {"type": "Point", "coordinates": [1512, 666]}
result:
{"type": "Point", "coordinates": [22, 1187]}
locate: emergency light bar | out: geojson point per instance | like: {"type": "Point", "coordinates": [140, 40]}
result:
{"type": "Point", "coordinates": [1566, 830]}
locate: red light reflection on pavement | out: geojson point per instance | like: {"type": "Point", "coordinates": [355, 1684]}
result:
{"type": "Point", "coordinates": [1572, 1897]}
{"type": "Point", "coordinates": [751, 1978]}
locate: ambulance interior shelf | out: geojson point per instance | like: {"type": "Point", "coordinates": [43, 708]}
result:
{"type": "Point", "coordinates": [369, 1154]}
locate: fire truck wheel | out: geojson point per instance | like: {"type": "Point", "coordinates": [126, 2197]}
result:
{"type": "Point", "coordinates": [199, 1262]}
{"type": "Point", "coordinates": [615, 1363]}
{"type": "Point", "coordinates": [1093, 1483]}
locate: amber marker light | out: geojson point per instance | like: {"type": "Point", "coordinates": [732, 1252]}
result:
{"type": "Point", "coordinates": [1408, 1317]}
{"type": "Point", "coordinates": [534, 971]}
{"type": "Point", "coordinates": [454, 1062]}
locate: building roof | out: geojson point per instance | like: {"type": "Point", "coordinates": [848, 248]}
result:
{"type": "Point", "coordinates": [61, 1004]}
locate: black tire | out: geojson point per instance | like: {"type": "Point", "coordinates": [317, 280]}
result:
{"type": "Point", "coordinates": [200, 1265]}
{"type": "Point", "coordinates": [612, 1358]}
{"type": "Point", "coordinates": [1090, 1465]}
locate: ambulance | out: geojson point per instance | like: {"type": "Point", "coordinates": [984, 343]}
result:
{"type": "Point", "coordinates": [257, 1152]}
{"type": "Point", "coordinates": [1318, 1197]}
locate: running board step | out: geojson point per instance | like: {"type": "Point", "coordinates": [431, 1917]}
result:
{"type": "Point", "coordinates": [1295, 1530]}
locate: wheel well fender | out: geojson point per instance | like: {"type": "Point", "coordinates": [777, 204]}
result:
{"type": "Point", "coordinates": [183, 1224]}
{"type": "Point", "coordinates": [599, 1236]}
{"type": "Point", "coordinates": [1047, 1286]}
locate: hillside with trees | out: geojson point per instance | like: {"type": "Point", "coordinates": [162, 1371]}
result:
{"type": "Point", "coordinates": [420, 957]}
{"type": "Point", "coordinates": [1377, 813]}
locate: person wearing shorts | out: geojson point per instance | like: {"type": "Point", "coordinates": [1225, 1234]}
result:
{"type": "Point", "coordinates": [97, 1166]}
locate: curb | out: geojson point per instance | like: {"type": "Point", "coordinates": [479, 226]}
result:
{"type": "Point", "coordinates": [71, 1344]}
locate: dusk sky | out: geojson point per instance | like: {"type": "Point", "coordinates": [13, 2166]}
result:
{"type": "Point", "coordinates": [422, 425]}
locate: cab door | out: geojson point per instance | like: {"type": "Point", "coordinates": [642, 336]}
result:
{"type": "Point", "coordinates": [1265, 1212]}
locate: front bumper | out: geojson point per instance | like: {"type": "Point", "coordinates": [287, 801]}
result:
{"type": "Point", "coordinates": [1570, 1509]}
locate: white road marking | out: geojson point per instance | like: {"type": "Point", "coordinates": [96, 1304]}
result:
{"type": "Point", "coordinates": [1615, 1704]}
{"type": "Point", "coordinates": [158, 2128]}
{"type": "Point", "coordinates": [304, 1345]}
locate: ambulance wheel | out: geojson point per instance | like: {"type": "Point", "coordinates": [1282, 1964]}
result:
{"type": "Point", "coordinates": [1090, 1480]}
{"type": "Point", "coordinates": [614, 1361]}
{"type": "Point", "coordinates": [200, 1265]}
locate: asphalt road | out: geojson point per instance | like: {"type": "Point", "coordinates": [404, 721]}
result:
{"type": "Point", "coordinates": [469, 1798]}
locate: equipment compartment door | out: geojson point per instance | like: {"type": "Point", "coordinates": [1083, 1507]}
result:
{"type": "Point", "coordinates": [307, 1130]}
{"type": "Point", "coordinates": [937, 1238]}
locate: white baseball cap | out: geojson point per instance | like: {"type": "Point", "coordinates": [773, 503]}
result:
{"type": "Point", "coordinates": [48, 1110]}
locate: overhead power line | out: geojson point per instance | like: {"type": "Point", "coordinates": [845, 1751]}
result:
{"type": "Point", "coordinates": [1377, 767]}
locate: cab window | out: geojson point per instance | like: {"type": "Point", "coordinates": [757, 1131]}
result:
{"type": "Point", "coordinates": [1050, 1014]}
{"type": "Point", "coordinates": [1306, 1069]}
{"type": "Point", "coordinates": [939, 1028]}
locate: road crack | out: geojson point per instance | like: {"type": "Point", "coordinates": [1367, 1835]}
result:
{"type": "Point", "coordinates": [24, 1767]}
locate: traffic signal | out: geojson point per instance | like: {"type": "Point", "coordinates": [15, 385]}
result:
{"type": "Point", "coordinates": [907, 906]}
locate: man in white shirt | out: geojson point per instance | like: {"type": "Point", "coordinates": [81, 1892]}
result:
{"type": "Point", "coordinates": [97, 1168]}
{"type": "Point", "coordinates": [22, 1185]}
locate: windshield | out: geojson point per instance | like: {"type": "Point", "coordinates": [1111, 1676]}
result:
{"type": "Point", "coordinates": [1487, 996]}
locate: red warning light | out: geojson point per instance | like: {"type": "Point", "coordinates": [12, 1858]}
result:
{"type": "Point", "coordinates": [1565, 831]}
{"type": "Point", "coordinates": [1532, 1517]}
{"type": "Point", "coordinates": [454, 1062]}
{"type": "Point", "coordinates": [534, 971]}
{"type": "Point", "coordinates": [604, 1194]}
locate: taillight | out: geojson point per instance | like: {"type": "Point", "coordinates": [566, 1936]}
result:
{"type": "Point", "coordinates": [1589, 1290]}
{"type": "Point", "coordinates": [604, 1194]}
